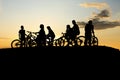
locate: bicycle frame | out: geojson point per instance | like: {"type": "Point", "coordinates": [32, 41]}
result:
{"type": "Point", "coordinates": [29, 41]}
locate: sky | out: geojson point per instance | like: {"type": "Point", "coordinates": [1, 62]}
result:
{"type": "Point", "coordinates": [57, 14]}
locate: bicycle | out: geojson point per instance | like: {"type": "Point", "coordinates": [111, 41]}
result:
{"type": "Point", "coordinates": [30, 41]}
{"type": "Point", "coordinates": [49, 41]}
{"type": "Point", "coordinates": [94, 40]}
{"type": "Point", "coordinates": [62, 41]}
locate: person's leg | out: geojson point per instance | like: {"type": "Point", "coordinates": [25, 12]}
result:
{"type": "Point", "coordinates": [24, 43]}
{"type": "Point", "coordinates": [85, 43]}
{"type": "Point", "coordinates": [44, 42]}
{"type": "Point", "coordinates": [89, 40]}
{"type": "Point", "coordinates": [50, 42]}
{"type": "Point", "coordinates": [86, 39]}
{"type": "Point", "coordinates": [75, 41]}
{"type": "Point", "coordinates": [21, 43]}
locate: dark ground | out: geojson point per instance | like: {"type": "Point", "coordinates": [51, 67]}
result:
{"type": "Point", "coordinates": [52, 62]}
{"type": "Point", "coordinates": [62, 55]}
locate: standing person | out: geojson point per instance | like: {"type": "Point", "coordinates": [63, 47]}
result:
{"type": "Point", "coordinates": [68, 34]}
{"type": "Point", "coordinates": [22, 36]}
{"type": "Point", "coordinates": [75, 30]}
{"type": "Point", "coordinates": [89, 30]}
{"type": "Point", "coordinates": [41, 38]}
{"type": "Point", "coordinates": [50, 35]}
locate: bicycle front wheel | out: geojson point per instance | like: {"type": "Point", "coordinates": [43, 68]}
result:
{"type": "Point", "coordinates": [15, 43]}
{"type": "Point", "coordinates": [94, 41]}
{"type": "Point", "coordinates": [81, 40]}
{"type": "Point", "coordinates": [63, 42]}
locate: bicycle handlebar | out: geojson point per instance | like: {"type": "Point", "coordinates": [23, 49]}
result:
{"type": "Point", "coordinates": [30, 32]}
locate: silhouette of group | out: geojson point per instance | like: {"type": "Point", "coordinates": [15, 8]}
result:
{"type": "Point", "coordinates": [41, 37]}
{"type": "Point", "coordinates": [70, 34]}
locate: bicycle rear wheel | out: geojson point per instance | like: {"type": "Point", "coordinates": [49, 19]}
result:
{"type": "Point", "coordinates": [15, 43]}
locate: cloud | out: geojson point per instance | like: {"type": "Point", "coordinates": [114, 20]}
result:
{"type": "Point", "coordinates": [104, 14]}
{"type": "Point", "coordinates": [95, 5]}
{"type": "Point", "coordinates": [100, 22]}
{"type": "Point", "coordinates": [105, 24]}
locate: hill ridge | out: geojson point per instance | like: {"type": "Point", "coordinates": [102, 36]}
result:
{"type": "Point", "coordinates": [90, 55]}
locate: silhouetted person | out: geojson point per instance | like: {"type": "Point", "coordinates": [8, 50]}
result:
{"type": "Point", "coordinates": [22, 36]}
{"type": "Point", "coordinates": [41, 38]}
{"type": "Point", "coordinates": [50, 36]}
{"type": "Point", "coordinates": [75, 30]}
{"type": "Point", "coordinates": [68, 34]}
{"type": "Point", "coordinates": [89, 31]}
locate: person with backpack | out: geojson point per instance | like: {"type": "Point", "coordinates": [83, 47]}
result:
{"type": "Point", "coordinates": [75, 32]}
{"type": "Point", "coordinates": [50, 36]}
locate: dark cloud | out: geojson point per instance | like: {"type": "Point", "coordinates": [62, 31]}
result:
{"type": "Point", "coordinates": [100, 23]}
{"type": "Point", "coordinates": [103, 14]}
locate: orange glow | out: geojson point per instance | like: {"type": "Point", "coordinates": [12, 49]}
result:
{"type": "Point", "coordinates": [5, 43]}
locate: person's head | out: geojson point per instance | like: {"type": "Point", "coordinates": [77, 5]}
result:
{"type": "Point", "coordinates": [41, 26]}
{"type": "Point", "coordinates": [90, 22]}
{"type": "Point", "coordinates": [73, 21]}
{"type": "Point", "coordinates": [68, 26]}
{"type": "Point", "coordinates": [48, 27]}
{"type": "Point", "coordinates": [22, 27]}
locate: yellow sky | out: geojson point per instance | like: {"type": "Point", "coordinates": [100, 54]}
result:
{"type": "Point", "coordinates": [57, 14]}
{"type": "Point", "coordinates": [107, 37]}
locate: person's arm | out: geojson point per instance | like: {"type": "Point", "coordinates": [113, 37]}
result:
{"type": "Point", "coordinates": [93, 30]}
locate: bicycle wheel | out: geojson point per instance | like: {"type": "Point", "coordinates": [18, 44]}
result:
{"type": "Point", "coordinates": [70, 43]}
{"type": "Point", "coordinates": [15, 43]}
{"type": "Point", "coordinates": [94, 41]}
{"type": "Point", "coordinates": [80, 40]}
{"type": "Point", "coordinates": [63, 42]}
{"type": "Point", "coordinates": [31, 43]}
{"type": "Point", "coordinates": [55, 42]}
